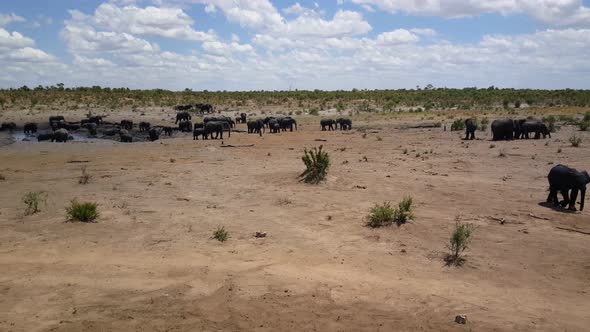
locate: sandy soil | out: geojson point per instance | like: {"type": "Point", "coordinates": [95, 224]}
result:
{"type": "Point", "coordinates": [150, 263]}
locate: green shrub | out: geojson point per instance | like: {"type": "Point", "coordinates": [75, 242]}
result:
{"type": "Point", "coordinates": [575, 140]}
{"type": "Point", "coordinates": [221, 234]}
{"type": "Point", "coordinates": [386, 215]}
{"type": "Point", "coordinates": [586, 116]}
{"type": "Point", "coordinates": [584, 125]}
{"type": "Point", "coordinates": [314, 111]}
{"type": "Point", "coordinates": [460, 240]}
{"type": "Point", "coordinates": [458, 124]}
{"type": "Point", "coordinates": [550, 121]}
{"type": "Point", "coordinates": [484, 124]}
{"type": "Point", "coordinates": [82, 211]}
{"type": "Point", "coordinates": [381, 215]}
{"type": "Point", "coordinates": [316, 163]}
{"type": "Point", "coordinates": [403, 213]}
{"type": "Point", "coordinates": [33, 201]}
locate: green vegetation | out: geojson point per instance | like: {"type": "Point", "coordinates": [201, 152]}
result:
{"type": "Point", "coordinates": [221, 234]}
{"type": "Point", "coordinates": [385, 215]}
{"type": "Point", "coordinates": [575, 140]}
{"type": "Point", "coordinates": [550, 122]}
{"type": "Point", "coordinates": [82, 211]}
{"type": "Point", "coordinates": [316, 163]}
{"type": "Point", "coordinates": [460, 240]}
{"type": "Point", "coordinates": [33, 201]}
{"type": "Point", "coordinates": [484, 124]}
{"type": "Point", "coordinates": [458, 124]}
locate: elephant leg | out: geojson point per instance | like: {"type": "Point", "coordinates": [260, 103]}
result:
{"type": "Point", "coordinates": [565, 202]}
{"type": "Point", "coordinates": [572, 201]}
{"type": "Point", "coordinates": [552, 198]}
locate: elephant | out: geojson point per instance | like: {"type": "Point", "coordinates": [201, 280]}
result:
{"type": "Point", "coordinates": [185, 126]}
{"type": "Point", "coordinates": [288, 123]}
{"type": "Point", "coordinates": [222, 118]}
{"type": "Point", "coordinates": [534, 126]}
{"type": "Point", "coordinates": [217, 127]}
{"type": "Point", "coordinates": [199, 132]}
{"type": "Point", "coordinates": [503, 129]}
{"type": "Point", "coordinates": [125, 137]}
{"type": "Point", "coordinates": [91, 126]}
{"type": "Point", "coordinates": [144, 126]}
{"type": "Point", "coordinates": [243, 117]}
{"type": "Point", "coordinates": [327, 123]}
{"type": "Point", "coordinates": [44, 137]}
{"type": "Point", "coordinates": [96, 119]}
{"type": "Point", "coordinates": [562, 178]}
{"type": "Point", "coordinates": [518, 128]}
{"type": "Point", "coordinates": [182, 116]}
{"type": "Point", "coordinates": [470, 128]}
{"type": "Point", "coordinates": [127, 124]}
{"type": "Point", "coordinates": [345, 124]}
{"type": "Point", "coordinates": [274, 126]}
{"type": "Point", "coordinates": [60, 136]}
{"type": "Point", "coordinates": [57, 118]}
{"type": "Point", "coordinates": [111, 132]}
{"type": "Point", "coordinates": [30, 128]}
{"type": "Point", "coordinates": [256, 126]}
{"type": "Point", "coordinates": [154, 134]}
{"type": "Point", "coordinates": [8, 126]}
{"type": "Point", "coordinates": [168, 130]}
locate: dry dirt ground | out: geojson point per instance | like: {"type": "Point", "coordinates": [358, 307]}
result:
{"type": "Point", "coordinates": [150, 263]}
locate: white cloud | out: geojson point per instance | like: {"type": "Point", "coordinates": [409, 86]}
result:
{"type": "Point", "coordinates": [221, 48]}
{"type": "Point", "coordinates": [29, 54]}
{"type": "Point", "coordinates": [397, 36]}
{"type": "Point", "coordinates": [555, 12]}
{"type": "Point", "coordinates": [6, 19]}
{"type": "Point", "coordinates": [424, 32]}
{"type": "Point", "coordinates": [165, 22]}
{"type": "Point", "coordinates": [13, 40]}
{"type": "Point", "coordinates": [209, 9]}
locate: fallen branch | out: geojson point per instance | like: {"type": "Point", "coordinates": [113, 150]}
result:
{"type": "Point", "coordinates": [542, 218]}
{"type": "Point", "coordinates": [320, 140]}
{"type": "Point", "coordinates": [77, 161]}
{"type": "Point", "coordinates": [573, 230]}
{"type": "Point", "coordinates": [237, 146]}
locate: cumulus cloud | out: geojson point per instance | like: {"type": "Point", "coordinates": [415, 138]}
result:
{"type": "Point", "coordinates": [397, 36]}
{"type": "Point", "coordinates": [13, 40]}
{"type": "Point", "coordinates": [221, 48]}
{"type": "Point", "coordinates": [6, 19]}
{"type": "Point", "coordinates": [555, 12]}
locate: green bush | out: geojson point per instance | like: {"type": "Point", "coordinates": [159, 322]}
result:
{"type": "Point", "coordinates": [221, 234]}
{"type": "Point", "coordinates": [458, 124]}
{"type": "Point", "coordinates": [33, 201]}
{"type": "Point", "coordinates": [316, 163]}
{"type": "Point", "coordinates": [550, 121]}
{"type": "Point", "coordinates": [584, 125]}
{"type": "Point", "coordinates": [385, 215]}
{"type": "Point", "coordinates": [575, 140]}
{"type": "Point", "coordinates": [484, 124]}
{"type": "Point", "coordinates": [82, 211]}
{"type": "Point", "coordinates": [460, 240]}
{"type": "Point", "coordinates": [586, 116]}
{"type": "Point", "coordinates": [314, 111]}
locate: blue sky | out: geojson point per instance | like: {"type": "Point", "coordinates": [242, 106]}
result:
{"type": "Point", "coordinates": [262, 44]}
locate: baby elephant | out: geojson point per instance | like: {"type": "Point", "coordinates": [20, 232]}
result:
{"type": "Point", "coordinates": [563, 179]}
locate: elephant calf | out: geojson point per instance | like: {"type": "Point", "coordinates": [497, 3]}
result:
{"type": "Point", "coordinates": [470, 128]}
{"type": "Point", "coordinates": [563, 179]}
{"type": "Point", "coordinates": [327, 123]}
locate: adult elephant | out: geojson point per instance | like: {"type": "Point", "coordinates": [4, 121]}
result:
{"type": "Point", "coordinates": [127, 124]}
{"type": "Point", "coordinates": [60, 136]}
{"type": "Point", "coordinates": [185, 126]}
{"type": "Point", "coordinates": [217, 127]}
{"type": "Point", "coordinates": [256, 126]}
{"type": "Point", "coordinates": [470, 128]}
{"type": "Point", "coordinates": [91, 126]}
{"type": "Point", "coordinates": [30, 128]}
{"type": "Point", "coordinates": [231, 123]}
{"type": "Point", "coordinates": [534, 126]}
{"type": "Point", "coordinates": [563, 179]}
{"type": "Point", "coordinates": [182, 116]}
{"type": "Point", "coordinates": [8, 126]}
{"type": "Point", "coordinates": [288, 123]}
{"type": "Point", "coordinates": [199, 132]}
{"type": "Point", "coordinates": [327, 123]}
{"type": "Point", "coordinates": [243, 117]}
{"type": "Point", "coordinates": [168, 130]}
{"type": "Point", "coordinates": [44, 137]}
{"type": "Point", "coordinates": [56, 118]}
{"type": "Point", "coordinates": [518, 128]}
{"type": "Point", "coordinates": [345, 124]}
{"type": "Point", "coordinates": [144, 126]}
{"type": "Point", "coordinates": [274, 126]}
{"type": "Point", "coordinates": [503, 129]}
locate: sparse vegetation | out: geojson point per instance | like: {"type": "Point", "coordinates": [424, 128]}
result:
{"type": "Point", "coordinates": [458, 124]}
{"type": "Point", "coordinates": [502, 153]}
{"type": "Point", "coordinates": [284, 201]}
{"type": "Point", "coordinates": [314, 111]}
{"type": "Point", "coordinates": [385, 215]}
{"type": "Point", "coordinates": [484, 124]}
{"type": "Point", "coordinates": [459, 242]}
{"type": "Point", "coordinates": [585, 125]}
{"type": "Point", "coordinates": [33, 201]}
{"type": "Point", "coordinates": [575, 140]}
{"type": "Point", "coordinates": [559, 150]}
{"type": "Point", "coordinates": [85, 177]}
{"type": "Point", "coordinates": [220, 234]}
{"type": "Point", "coordinates": [379, 138]}
{"type": "Point", "coordinates": [550, 121]}
{"type": "Point", "coordinates": [2, 177]}
{"type": "Point", "coordinates": [492, 146]}
{"type": "Point", "coordinates": [82, 211]}
{"type": "Point", "coordinates": [316, 163]}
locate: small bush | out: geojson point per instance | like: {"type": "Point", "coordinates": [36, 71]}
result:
{"type": "Point", "coordinates": [575, 140]}
{"type": "Point", "coordinates": [484, 124]}
{"type": "Point", "coordinates": [403, 213]}
{"type": "Point", "coordinates": [85, 177]}
{"type": "Point", "coordinates": [33, 201]}
{"type": "Point", "coordinates": [314, 111]}
{"type": "Point", "coordinates": [82, 211]}
{"type": "Point", "coordinates": [502, 153]}
{"type": "Point", "coordinates": [379, 138]}
{"type": "Point", "coordinates": [316, 163]}
{"type": "Point", "coordinates": [550, 121]}
{"type": "Point", "coordinates": [458, 124]}
{"type": "Point", "coordinates": [381, 215]}
{"type": "Point", "coordinates": [584, 125]}
{"type": "Point", "coordinates": [221, 234]}
{"type": "Point", "coordinates": [492, 146]}
{"type": "Point", "coordinates": [460, 240]}
{"type": "Point", "coordinates": [405, 151]}
{"type": "Point", "coordinates": [2, 177]}
{"type": "Point", "coordinates": [559, 150]}
{"type": "Point", "coordinates": [586, 116]}
{"type": "Point", "coordinates": [385, 215]}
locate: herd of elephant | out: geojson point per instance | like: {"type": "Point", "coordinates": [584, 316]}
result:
{"type": "Point", "coordinates": [508, 129]}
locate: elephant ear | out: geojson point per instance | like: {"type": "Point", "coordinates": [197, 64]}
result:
{"type": "Point", "coordinates": [586, 177]}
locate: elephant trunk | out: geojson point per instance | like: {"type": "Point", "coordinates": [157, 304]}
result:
{"type": "Point", "coordinates": [583, 197]}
